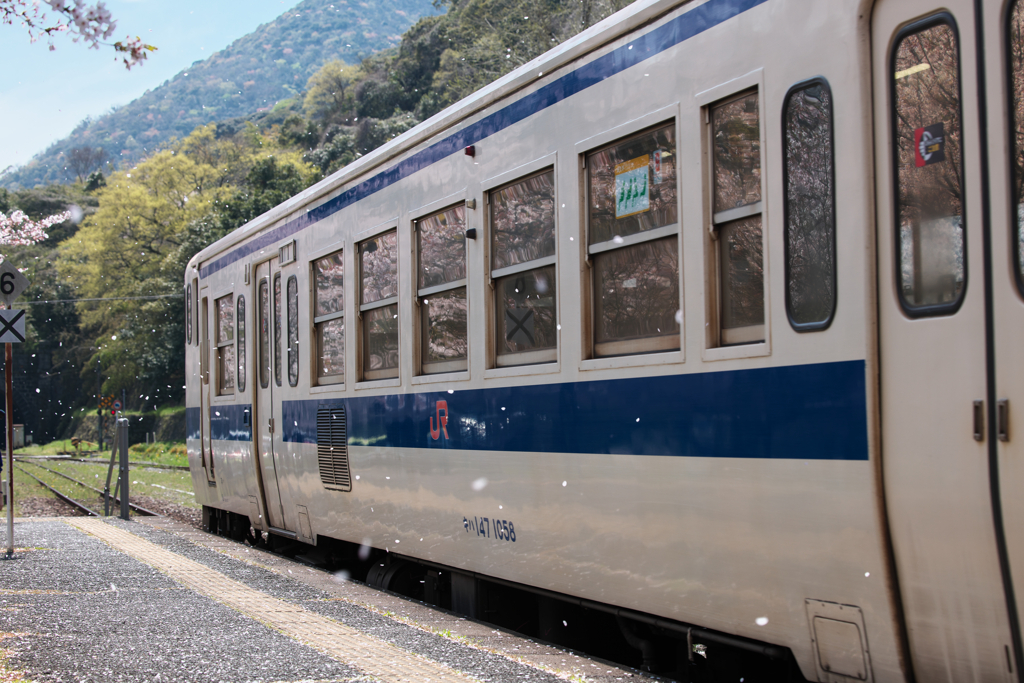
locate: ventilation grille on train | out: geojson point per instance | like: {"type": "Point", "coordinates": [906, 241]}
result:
{"type": "Point", "coordinates": [332, 447]}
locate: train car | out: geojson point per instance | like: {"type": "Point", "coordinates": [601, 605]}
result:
{"type": "Point", "coordinates": [706, 316]}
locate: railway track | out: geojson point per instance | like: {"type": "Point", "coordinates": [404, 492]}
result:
{"type": "Point", "coordinates": [101, 461]}
{"type": "Point", "coordinates": [77, 504]}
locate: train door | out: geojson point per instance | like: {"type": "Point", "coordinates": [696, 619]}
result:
{"type": "Point", "coordinates": [204, 392]}
{"type": "Point", "coordinates": [948, 543]}
{"type": "Point", "coordinates": [1004, 59]}
{"type": "Point", "coordinates": [268, 327]}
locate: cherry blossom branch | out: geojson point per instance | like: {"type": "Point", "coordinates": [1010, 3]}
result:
{"type": "Point", "coordinates": [18, 230]}
{"type": "Point", "coordinates": [83, 22]}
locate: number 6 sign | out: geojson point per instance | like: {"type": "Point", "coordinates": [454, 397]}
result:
{"type": "Point", "coordinates": [12, 283]}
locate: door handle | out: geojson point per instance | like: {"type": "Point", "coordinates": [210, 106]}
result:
{"type": "Point", "coordinates": [979, 420]}
{"type": "Point", "coordinates": [270, 424]}
{"type": "Point", "coordinates": [1003, 419]}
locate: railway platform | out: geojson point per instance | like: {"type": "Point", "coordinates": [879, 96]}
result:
{"type": "Point", "coordinates": [87, 599]}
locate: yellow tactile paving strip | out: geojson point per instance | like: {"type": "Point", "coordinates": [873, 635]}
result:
{"type": "Point", "coordinates": [348, 645]}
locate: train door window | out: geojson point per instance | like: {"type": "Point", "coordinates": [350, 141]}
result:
{"type": "Point", "coordinates": [926, 123]}
{"type": "Point", "coordinates": [441, 291]}
{"type": "Point", "coordinates": [737, 218]}
{"type": "Point", "coordinates": [240, 341]}
{"type": "Point", "coordinates": [188, 314]}
{"type": "Point", "coordinates": [378, 269]}
{"type": "Point", "coordinates": [293, 330]}
{"type": "Point", "coordinates": [277, 329]}
{"type": "Point", "coordinates": [225, 335]}
{"type": "Point", "coordinates": [1015, 43]}
{"type": "Point", "coordinates": [808, 174]}
{"type": "Point", "coordinates": [264, 332]}
{"type": "Point", "coordinates": [633, 241]}
{"type": "Point", "coordinates": [523, 270]}
{"type": "Point", "coordinates": [329, 318]}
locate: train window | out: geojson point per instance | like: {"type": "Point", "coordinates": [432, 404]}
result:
{"type": "Point", "coordinates": [441, 288]}
{"type": "Point", "coordinates": [329, 317]}
{"type": "Point", "coordinates": [737, 208]}
{"type": "Point", "coordinates": [225, 334]}
{"type": "Point", "coordinates": [808, 174]}
{"type": "Point", "coordinates": [930, 243]}
{"type": "Point", "coordinates": [264, 332]}
{"type": "Point", "coordinates": [240, 335]}
{"type": "Point", "coordinates": [277, 329]}
{"type": "Point", "coordinates": [633, 227]}
{"type": "Point", "coordinates": [293, 331]}
{"type": "Point", "coordinates": [523, 269]}
{"type": "Point", "coordinates": [1016, 44]}
{"type": "Point", "coordinates": [378, 268]}
{"type": "Point", "coordinates": [188, 314]}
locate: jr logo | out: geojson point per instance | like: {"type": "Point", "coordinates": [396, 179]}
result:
{"type": "Point", "coordinates": [442, 421]}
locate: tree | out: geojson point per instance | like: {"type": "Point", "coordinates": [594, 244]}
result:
{"type": "Point", "coordinates": [84, 160]}
{"type": "Point", "coordinates": [327, 88]}
{"type": "Point", "coordinates": [19, 230]}
{"type": "Point", "coordinates": [82, 21]}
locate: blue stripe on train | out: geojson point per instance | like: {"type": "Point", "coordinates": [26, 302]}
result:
{"type": "Point", "coordinates": [683, 27]}
{"type": "Point", "coordinates": [814, 412]}
{"type": "Point", "coordinates": [227, 422]}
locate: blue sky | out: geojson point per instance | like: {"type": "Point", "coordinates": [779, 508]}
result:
{"type": "Point", "coordinates": [44, 94]}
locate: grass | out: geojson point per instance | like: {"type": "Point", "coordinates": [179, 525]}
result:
{"type": "Point", "coordinates": [160, 453]}
{"type": "Point", "coordinates": [173, 486]}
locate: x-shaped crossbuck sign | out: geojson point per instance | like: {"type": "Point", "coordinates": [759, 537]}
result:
{"type": "Point", "coordinates": [12, 325]}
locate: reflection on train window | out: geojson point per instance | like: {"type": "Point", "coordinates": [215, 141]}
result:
{"type": "Point", "coordinates": [188, 314]}
{"type": "Point", "coordinates": [329, 317]}
{"type": "Point", "coordinates": [264, 332]}
{"type": "Point", "coordinates": [293, 330]}
{"type": "Point", "coordinates": [522, 267]}
{"type": "Point", "coordinates": [277, 329]}
{"type": "Point", "coordinates": [737, 208]}
{"type": "Point", "coordinates": [1015, 18]}
{"type": "Point", "coordinates": [633, 226]}
{"type": "Point", "coordinates": [240, 335]}
{"type": "Point", "coordinates": [378, 270]}
{"type": "Point", "coordinates": [808, 174]}
{"type": "Point", "coordinates": [225, 335]}
{"type": "Point", "coordinates": [928, 170]}
{"type": "Point", "coordinates": [441, 288]}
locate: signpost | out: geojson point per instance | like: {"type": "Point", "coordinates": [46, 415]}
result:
{"type": "Point", "coordinates": [12, 331]}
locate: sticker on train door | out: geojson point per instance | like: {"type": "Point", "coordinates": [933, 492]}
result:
{"type": "Point", "coordinates": [632, 193]}
{"type": "Point", "coordinates": [929, 145]}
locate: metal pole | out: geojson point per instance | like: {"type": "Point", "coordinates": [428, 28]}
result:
{"type": "Point", "coordinates": [99, 407]}
{"type": "Point", "coordinates": [9, 397]}
{"type": "Point", "coordinates": [122, 443]}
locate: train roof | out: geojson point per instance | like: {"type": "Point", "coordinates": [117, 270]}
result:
{"type": "Point", "coordinates": [612, 27]}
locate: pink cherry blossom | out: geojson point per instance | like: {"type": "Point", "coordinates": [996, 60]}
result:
{"type": "Point", "coordinates": [82, 21]}
{"type": "Point", "coordinates": [18, 230]}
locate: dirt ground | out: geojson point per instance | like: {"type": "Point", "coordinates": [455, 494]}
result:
{"type": "Point", "coordinates": [41, 506]}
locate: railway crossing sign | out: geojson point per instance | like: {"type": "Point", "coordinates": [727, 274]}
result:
{"type": "Point", "coordinates": [12, 325]}
{"type": "Point", "coordinates": [12, 283]}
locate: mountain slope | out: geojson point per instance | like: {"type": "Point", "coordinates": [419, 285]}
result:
{"type": "Point", "coordinates": [253, 73]}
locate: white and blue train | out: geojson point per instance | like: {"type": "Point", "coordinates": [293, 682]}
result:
{"type": "Point", "coordinates": [710, 316]}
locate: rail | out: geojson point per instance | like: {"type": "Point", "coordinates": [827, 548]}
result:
{"type": "Point", "coordinates": [137, 508]}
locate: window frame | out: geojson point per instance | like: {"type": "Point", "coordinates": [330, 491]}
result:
{"type": "Point", "coordinates": [240, 343]}
{"type": "Point", "coordinates": [1017, 234]}
{"type": "Point", "coordinates": [660, 344]}
{"type": "Point", "coordinates": [277, 333]}
{"type": "Point", "coordinates": [716, 348]}
{"type": "Point", "coordinates": [292, 333]}
{"type": "Point", "coordinates": [432, 369]}
{"type": "Point", "coordinates": [827, 322]}
{"type": "Point", "coordinates": [928, 310]}
{"type": "Point", "coordinates": [219, 345]}
{"type": "Point", "coordinates": [548, 357]}
{"type": "Point", "coordinates": [366, 375]}
{"type": "Point", "coordinates": [188, 314]}
{"type": "Point", "coordinates": [318, 321]}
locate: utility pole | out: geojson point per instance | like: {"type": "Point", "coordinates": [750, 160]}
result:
{"type": "Point", "coordinates": [99, 404]}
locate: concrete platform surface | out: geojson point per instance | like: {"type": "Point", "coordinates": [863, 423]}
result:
{"type": "Point", "coordinates": [90, 600]}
